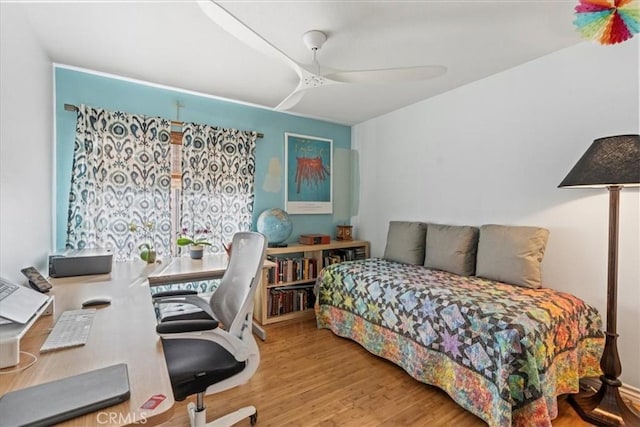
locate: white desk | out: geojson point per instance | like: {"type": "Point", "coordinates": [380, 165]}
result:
{"type": "Point", "coordinates": [185, 269]}
{"type": "Point", "coordinates": [122, 332]}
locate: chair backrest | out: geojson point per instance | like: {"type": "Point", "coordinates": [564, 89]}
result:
{"type": "Point", "coordinates": [232, 301]}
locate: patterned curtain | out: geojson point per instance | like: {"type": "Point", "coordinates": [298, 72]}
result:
{"type": "Point", "coordinates": [121, 175]}
{"type": "Point", "coordinates": [218, 171]}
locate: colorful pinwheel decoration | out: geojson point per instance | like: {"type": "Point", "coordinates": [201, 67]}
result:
{"type": "Point", "coordinates": [608, 21]}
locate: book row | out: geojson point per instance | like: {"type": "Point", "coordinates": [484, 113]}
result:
{"type": "Point", "coordinates": [348, 254]}
{"type": "Point", "coordinates": [292, 269]}
{"type": "Point", "coordinates": [286, 300]}
{"type": "Point", "coordinates": [295, 269]}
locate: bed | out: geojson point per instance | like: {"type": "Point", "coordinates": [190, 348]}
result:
{"type": "Point", "coordinates": [502, 352]}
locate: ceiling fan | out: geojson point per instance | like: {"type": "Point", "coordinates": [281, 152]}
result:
{"type": "Point", "coordinates": [310, 77]}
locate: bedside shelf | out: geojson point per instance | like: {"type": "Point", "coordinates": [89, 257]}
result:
{"type": "Point", "coordinates": [287, 290]}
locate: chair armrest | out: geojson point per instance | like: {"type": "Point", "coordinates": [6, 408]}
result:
{"type": "Point", "coordinates": [180, 326]}
{"type": "Point", "coordinates": [174, 293]}
{"type": "Point", "coordinates": [193, 300]}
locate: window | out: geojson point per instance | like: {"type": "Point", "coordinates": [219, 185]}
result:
{"type": "Point", "coordinates": [132, 168]}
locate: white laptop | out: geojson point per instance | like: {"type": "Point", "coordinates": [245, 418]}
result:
{"type": "Point", "coordinates": [19, 303]}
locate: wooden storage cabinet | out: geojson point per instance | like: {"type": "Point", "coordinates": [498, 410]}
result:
{"type": "Point", "coordinates": [286, 291]}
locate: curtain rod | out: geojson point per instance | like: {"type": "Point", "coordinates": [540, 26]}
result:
{"type": "Point", "coordinates": [70, 107]}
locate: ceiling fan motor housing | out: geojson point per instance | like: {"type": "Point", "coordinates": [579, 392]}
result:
{"type": "Point", "coordinates": [314, 39]}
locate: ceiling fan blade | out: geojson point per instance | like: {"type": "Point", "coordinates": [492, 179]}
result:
{"type": "Point", "coordinates": [390, 75]}
{"type": "Point", "coordinates": [239, 30]}
{"type": "Point", "coordinates": [291, 100]}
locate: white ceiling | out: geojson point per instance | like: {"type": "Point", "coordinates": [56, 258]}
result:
{"type": "Point", "coordinates": [175, 44]}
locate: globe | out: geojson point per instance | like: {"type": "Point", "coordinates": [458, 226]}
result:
{"type": "Point", "coordinates": [276, 225]}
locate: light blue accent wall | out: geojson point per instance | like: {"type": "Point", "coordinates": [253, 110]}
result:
{"type": "Point", "coordinates": [76, 87]}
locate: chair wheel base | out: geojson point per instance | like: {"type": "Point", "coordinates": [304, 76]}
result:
{"type": "Point", "coordinates": [198, 418]}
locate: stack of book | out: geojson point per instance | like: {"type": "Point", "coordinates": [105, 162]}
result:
{"type": "Point", "coordinates": [292, 270]}
{"type": "Point", "coordinates": [290, 299]}
{"type": "Point", "coordinates": [341, 255]}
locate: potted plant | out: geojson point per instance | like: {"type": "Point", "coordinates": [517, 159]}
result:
{"type": "Point", "coordinates": [147, 253]}
{"type": "Point", "coordinates": [196, 242]}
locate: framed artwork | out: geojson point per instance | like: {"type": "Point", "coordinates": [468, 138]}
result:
{"type": "Point", "coordinates": [308, 174]}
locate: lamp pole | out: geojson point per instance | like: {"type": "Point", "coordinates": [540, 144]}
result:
{"type": "Point", "coordinates": [606, 407]}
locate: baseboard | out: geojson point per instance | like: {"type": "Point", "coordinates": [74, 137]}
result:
{"type": "Point", "coordinates": [626, 391]}
{"type": "Point", "coordinates": [631, 393]}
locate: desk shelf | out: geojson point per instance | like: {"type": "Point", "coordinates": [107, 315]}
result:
{"type": "Point", "coordinates": [286, 290]}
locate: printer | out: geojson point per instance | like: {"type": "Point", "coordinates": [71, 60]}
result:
{"type": "Point", "coordinates": [80, 262]}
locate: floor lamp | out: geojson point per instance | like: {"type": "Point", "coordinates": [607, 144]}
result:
{"type": "Point", "coordinates": [612, 162]}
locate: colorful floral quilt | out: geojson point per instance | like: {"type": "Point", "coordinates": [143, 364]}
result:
{"type": "Point", "coordinates": [503, 352]}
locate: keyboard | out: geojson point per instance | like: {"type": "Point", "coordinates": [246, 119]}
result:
{"type": "Point", "coordinates": [71, 330]}
{"type": "Point", "coordinates": [7, 289]}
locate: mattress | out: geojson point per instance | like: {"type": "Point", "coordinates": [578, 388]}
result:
{"type": "Point", "coordinates": [502, 352]}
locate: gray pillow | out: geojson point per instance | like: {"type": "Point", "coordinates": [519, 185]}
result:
{"type": "Point", "coordinates": [405, 242]}
{"type": "Point", "coordinates": [511, 254]}
{"type": "Point", "coordinates": [452, 248]}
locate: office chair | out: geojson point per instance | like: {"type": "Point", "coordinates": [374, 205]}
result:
{"type": "Point", "coordinates": [215, 350]}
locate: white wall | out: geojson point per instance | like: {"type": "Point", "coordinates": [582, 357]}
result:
{"type": "Point", "coordinates": [494, 152]}
{"type": "Point", "coordinates": [25, 146]}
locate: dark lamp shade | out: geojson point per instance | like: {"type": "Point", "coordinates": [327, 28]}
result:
{"type": "Point", "coordinates": [610, 161]}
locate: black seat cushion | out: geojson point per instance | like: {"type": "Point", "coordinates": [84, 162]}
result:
{"type": "Point", "coordinates": [195, 364]}
{"type": "Point", "coordinates": [197, 315]}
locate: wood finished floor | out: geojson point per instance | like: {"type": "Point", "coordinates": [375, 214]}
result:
{"type": "Point", "coordinates": [311, 377]}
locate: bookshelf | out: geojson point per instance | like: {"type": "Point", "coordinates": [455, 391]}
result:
{"type": "Point", "coordinates": [287, 292]}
